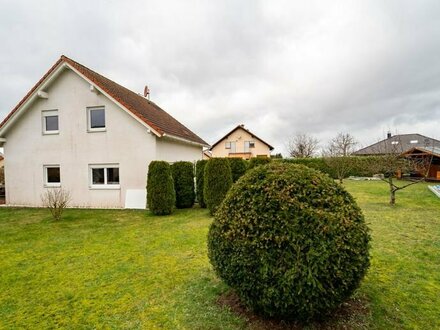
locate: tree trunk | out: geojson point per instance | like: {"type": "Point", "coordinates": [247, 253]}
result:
{"type": "Point", "coordinates": [392, 191]}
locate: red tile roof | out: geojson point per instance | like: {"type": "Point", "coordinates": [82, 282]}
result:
{"type": "Point", "coordinates": [147, 111]}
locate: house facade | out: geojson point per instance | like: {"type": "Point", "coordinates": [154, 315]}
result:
{"type": "Point", "coordinates": [241, 143]}
{"type": "Point", "coordinates": [90, 136]}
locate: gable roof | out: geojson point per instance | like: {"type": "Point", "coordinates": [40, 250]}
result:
{"type": "Point", "coordinates": [433, 151]}
{"type": "Point", "coordinates": [162, 123]}
{"type": "Point", "coordinates": [246, 130]}
{"type": "Point", "coordinates": [399, 143]}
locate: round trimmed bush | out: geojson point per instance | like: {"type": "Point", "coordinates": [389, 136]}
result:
{"type": "Point", "coordinates": [200, 173]}
{"type": "Point", "coordinates": [217, 181]}
{"type": "Point", "coordinates": [256, 161]}
{"type": "Point", "coordinates": [183, 175]}
{"type": "Point", "coordinates": [290, 241]}
{"type": "Point", "coordinates": [161, 196]}
{"type": "Point", "coordinates": [238, 168]}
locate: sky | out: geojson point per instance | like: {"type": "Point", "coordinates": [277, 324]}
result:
{"type": "Point", "coordinates": [280, 67]}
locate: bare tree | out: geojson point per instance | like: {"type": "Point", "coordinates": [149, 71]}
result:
{"type": "Point", "coordinates": [302, 146]}
{"type": "Point", "coordinates": [56, 200]}
{"type": "Point", "coordinates": [343, 144]}
{"type": "Point", "coordinates": [393, 164]}
{"type": "Point", "coordinates": [336, 155]}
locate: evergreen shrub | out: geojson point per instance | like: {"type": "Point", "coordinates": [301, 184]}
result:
{"type": "Point", "coordinates": [290, 241]}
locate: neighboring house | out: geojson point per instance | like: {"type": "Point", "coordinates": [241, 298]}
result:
{"type": "Point", "coordinates": [241, 143]}
{"type": "Point", "coordinates": [2, 174]}
{"type": "Point", "coordinates": [2, 160]}
{"type": "Point", "coordinates": [398, 144]}
{"type": "Point", "coordinates": [207, 155]}
{"type": "Point", "coordinates": [426, 156]}
{"type": "Point", "coordinates": [78, 130]}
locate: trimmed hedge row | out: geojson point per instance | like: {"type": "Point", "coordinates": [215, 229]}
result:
{"type": "Point", "coordinates": [200, 175]}
{"type": "Point", "coordinates": [217, 181]}
{"type": "Point", "coordinates": [183, 175]}
{"type": "Point", "coordinates": [258, 161]}
{"type": "Point", "coordinates": [238, 168]}
{"type": "Point", "coordinates": [161, 196]}
{"type": "Point", "coordinates": [361, 165]}
{"type": "Point", "coordinates": [290, 241]}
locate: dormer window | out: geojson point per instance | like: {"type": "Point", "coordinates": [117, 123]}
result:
{"type": "Point", "coordinates": [50, 122]}
{"type": "Point", "coordinates": [96, 119]}
{"type": "Point", "coordinates": [394, 142]}
{"type": "Point", "coordinates": [414, 141]}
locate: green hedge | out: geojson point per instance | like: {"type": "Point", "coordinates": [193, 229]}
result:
{"type": "Point", "coordinates": [290, 241]}
{"type": "Point", "coordinates": [258, 161]}
{"type": "Point", "coordinates": [183, 175]}
{"type": "Point", "coordinates": [238, 168]}
{"type": "Point", "coordinates": [361, 165]}
{"type": "Point", "coordinates": [217, 181]}
{"type": "Point", "coordinates": [200, 174]}
{"type": "Point", "coordinates": [161, 196]}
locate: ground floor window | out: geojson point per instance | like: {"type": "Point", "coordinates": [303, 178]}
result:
{"type": "Point", "coordinates": [52, 176]}
{"type": "Point", "coordinates": [104, 176]}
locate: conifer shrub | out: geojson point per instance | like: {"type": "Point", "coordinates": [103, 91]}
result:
{"type": "Point", "coordinates": [258, 161]}
{"type": "Point", "coordinates": [183, 176]}
{"type": "Point", "coordinates": [161, 196]}
{"type": "Point", "coordinates": [217, 181]}
{"type": "Point", "coordinates": [238, 168]}
{"type": "Point", "coordinates": [290, 241]}
{"type": "Point", "coordinates": [200, 173]}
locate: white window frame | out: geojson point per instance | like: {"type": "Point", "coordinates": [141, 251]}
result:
{"type": "Point", "coordinates": [105, 185]}
{"type": "Point", "coordinates": [89, 119]}
{"type": "Point", "coordinates": [49, 113]}
{"type": "Point", "coordinates": [51, 184]}
{"type": "Point", "coordinates": [227, 145]}
{"type": "Point", "coordinates": [247, 145]}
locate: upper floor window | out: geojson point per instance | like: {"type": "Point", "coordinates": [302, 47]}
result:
{"type": "Point", "coordinates": [248, 145]}
{"type": "Point", "coordinates": [96, 119]}
{"type": "Point", "coordinates": [228, 145]}
{"type": "Point", "coordinates": [50, 122]}
{"type": "Point", "coordinates": [52, 177]}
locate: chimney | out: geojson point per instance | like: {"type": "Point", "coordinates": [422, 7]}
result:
{"type": "Point", "coordinates": [146, 92]}
{"type": "Point", "coordinates": [389, 135]}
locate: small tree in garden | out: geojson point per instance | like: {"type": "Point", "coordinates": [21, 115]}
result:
{"type": "Point", "coordinates": [253, 162]}
{"type": "Point", "coordinates": [56, 200]}
{"type": "Point", "coordinates": [337, 155]}
{"type": "Point", "coordinates": [238, 168]}
{"type": "Point", "coordinates": [302, 146]}
{"type": "Point", "coordinates": [392, 165]}
{"type": "Point", "coordinates": [183, 175]}
{"type": "Point", "coordinates": [217, 181]}
{"type": "Point", "coordinates": [290, 241]}
{"type": "Point", "coordinates": [161, 196]}
{"type": "Point", "coordinates": [200, 174]}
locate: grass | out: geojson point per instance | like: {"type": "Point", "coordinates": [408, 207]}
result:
{"type": "Point", "coordinates": [127, 269]}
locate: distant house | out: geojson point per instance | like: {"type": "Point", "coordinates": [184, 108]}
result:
{"type": "Point", "coordinates": [241, 143]}
{"type": "Point", "coordinates": [81, 131]}
{"type": "Point", "coordinates": [398, 144]}
{"type": "Point", "coordinates": [410, 146]}
{"type": "Point", "coordinates": [430, 156]}
{"type": "Point", "coordinates": [2, 160]}
{"type": "Point", "coordinates": [207, 155]}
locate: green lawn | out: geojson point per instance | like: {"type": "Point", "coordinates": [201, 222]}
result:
{"type": "Point", "coordinates": [128, 269]}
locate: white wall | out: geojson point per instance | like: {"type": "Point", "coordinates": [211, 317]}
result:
{"type": "Point", "coordinates": [125, 141]}
{"type": "Point", "coordinates": [172, 151]}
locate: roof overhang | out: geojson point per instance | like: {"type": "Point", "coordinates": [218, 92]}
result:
{"type": "Point", "coordinates": [177, 138]}
{"type": "Point", "coordinates": [38, 91]}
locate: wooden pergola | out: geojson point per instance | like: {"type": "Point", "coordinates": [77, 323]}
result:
{"type": "Point", "coordinates": [429, 160]}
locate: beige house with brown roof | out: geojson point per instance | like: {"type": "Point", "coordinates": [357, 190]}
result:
{"type": "Point", "coordinates": [84, 133]}
{"type": "Point", "coordinates": [241, 143]}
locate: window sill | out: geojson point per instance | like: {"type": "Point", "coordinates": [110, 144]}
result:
{"type": "Point", "coordinates": [95, 130]}
{"type": "Point", "coordinates": [105, 187]}
{"type": "Point", "coordinates": [52, 185]}
{"type": "Point", "coordinates": [51, 132]}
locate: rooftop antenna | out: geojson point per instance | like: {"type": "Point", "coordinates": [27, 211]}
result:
{"type": "Point", "coordinates": [147, 92]}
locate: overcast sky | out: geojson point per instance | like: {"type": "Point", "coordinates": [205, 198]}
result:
{"type": "Point", "coordinates": [279, 67]}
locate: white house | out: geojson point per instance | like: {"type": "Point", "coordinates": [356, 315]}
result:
{"type": "Point", "coordinates": [78, 130]}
